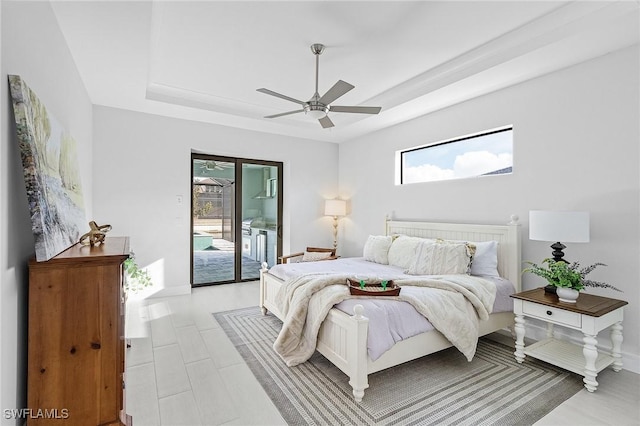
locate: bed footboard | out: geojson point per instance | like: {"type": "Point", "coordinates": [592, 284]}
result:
{"type": "Point", "coordinates": [269, 287]}
{"type": "Point", "coordinates": [342, 339]}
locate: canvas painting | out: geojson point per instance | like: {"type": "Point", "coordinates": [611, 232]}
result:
{"type": "Point", "coordinates": [51, 173]}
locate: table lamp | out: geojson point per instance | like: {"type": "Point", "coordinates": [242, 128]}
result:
{"type": "Point", "coordinates": [566, 226]}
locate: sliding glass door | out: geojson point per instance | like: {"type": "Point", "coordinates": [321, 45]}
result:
{"type": "Point", "coordinates": [236, 218]}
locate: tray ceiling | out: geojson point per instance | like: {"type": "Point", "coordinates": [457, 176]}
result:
{"type": "Point", "coordinates": [204, 60]}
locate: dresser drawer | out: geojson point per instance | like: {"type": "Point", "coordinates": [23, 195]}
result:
{"type": "Point", "coordinates": [554, 315]}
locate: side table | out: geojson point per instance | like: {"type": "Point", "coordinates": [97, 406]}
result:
{"type": "Point", "coordinates": [590, 315]}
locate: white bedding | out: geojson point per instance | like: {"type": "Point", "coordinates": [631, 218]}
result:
{"type": "Point", "coordinates": [390, 320]}
{"type": "Point", "coordinates": [344, 265]}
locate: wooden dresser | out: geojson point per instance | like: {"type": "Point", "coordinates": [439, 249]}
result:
{"type": "Point", "coordinates": [76, 336]}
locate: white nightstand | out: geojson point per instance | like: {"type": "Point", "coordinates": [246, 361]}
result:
{"type": "Point", "coordinates": [590, 315]}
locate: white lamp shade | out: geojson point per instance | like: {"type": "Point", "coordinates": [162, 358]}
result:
{"type": "Point", "coordinates": [335, 207]}
{"type": "Point", "coordinates": [562, 226]}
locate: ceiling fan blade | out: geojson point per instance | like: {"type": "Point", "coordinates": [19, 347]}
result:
{"type": "Point", "coordinates": [284, 113]}
{"type": "Point", "coordinates": [278, 95]}
{"type": "Point", "coordinates": [355, 109]}
{"type": "Point", "coordinates": [326, 122]}
{"type": "Point", "coordinates": [338, 89]}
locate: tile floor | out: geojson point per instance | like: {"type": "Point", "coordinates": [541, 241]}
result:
{"type": "Point", "coordinates": [183, 370]}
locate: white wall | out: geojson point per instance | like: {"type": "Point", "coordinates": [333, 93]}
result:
{"type": "Point", "coordinates": [142, 163]}
{"type": "Point", "coordinates": [34, 48]}
{"type": "Point", "coordinates": [576, 147]}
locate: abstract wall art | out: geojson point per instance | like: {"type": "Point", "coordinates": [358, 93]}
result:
{"type": "Point", "coordinates": [51, 173]}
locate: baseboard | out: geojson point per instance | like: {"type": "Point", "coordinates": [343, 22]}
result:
{"type": "Point", "coordinates": [536, 332]}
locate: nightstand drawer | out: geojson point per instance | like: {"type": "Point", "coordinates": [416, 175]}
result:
{"type": "Point", "coordinates": [557, 316]}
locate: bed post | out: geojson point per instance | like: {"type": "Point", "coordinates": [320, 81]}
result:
{"type": "Point", "coordinates": [357, 354]}
{"type": "Point", "coordinates": [263, 270]}
{"type": "Point", "coordinates": [514, 267]}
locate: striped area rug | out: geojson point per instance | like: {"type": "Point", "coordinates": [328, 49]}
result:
{"type": "Point", "coordinates": [439, 389]}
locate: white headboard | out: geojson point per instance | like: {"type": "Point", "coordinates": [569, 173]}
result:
{"type": "Point", "coordinates": [507, 236]}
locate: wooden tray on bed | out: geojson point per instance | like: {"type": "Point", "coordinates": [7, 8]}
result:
{"type": "Point", "coordinates": [372, 288]}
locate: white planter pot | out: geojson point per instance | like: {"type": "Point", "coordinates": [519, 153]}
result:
{"type": "Point", "coordinates": [567, 295]}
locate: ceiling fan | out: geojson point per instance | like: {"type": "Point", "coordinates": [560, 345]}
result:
{"type": "Point", "coordinates": [318, 106]}
{"type": "Point", "coordinates": [214, 165]}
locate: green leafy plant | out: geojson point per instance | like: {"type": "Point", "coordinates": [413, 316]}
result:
{"type": "Point", "coordinates": [137, 278]}
{"type": "Point", "coordinates": [200, 209]}
{"type": "Point", "coordinates": [563, 274]}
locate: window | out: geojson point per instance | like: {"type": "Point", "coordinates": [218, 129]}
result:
{"type": "Point", "coordinates": [481, 154]}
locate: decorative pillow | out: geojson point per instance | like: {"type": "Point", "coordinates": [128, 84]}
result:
{"type": "Point", "coordinates": [485, 261]}
{"type": "Point", "coordinates": [376, 249]}
{"type": "Point", "coordinates": [312, 256]}
{"type": "Point", "coordinates": [403, 250]}
{"type": "Point", "coordinates": [441, 258]}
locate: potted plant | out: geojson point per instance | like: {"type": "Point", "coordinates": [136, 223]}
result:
{"type": "Point", "coordinates": [568, 278]}
{"type": "Point", "coordinates": [136, 277]}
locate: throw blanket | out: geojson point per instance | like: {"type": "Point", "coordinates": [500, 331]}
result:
{"type": "Point", "coordinates": [452, 303]}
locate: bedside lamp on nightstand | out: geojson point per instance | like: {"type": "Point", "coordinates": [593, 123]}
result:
{"type": "Point", "coordinates": [569, 227]}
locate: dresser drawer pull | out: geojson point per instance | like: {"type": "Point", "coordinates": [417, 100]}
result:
{"type": "Point", "coordinates": [95, 345]}
{"type": "Point", "coordinates": [549, 313]}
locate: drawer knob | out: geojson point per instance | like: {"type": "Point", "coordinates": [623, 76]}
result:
{"type": "Point", "coordinates": [549, 313]}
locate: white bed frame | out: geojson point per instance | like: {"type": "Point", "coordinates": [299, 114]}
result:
{"type": "Point", "coordinates": [342, 338]}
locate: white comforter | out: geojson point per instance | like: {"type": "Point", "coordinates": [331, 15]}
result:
{"type": "Point", "coordinates": [452, 303]}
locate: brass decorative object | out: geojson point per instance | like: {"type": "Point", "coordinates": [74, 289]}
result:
{"type": "Point", "coordinates": [95, 235]}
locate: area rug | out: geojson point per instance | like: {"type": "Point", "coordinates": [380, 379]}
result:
{"type": "Point", "coordinates": [439, 389]}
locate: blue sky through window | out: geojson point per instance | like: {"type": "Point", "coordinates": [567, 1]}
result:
{"type": "Point", "coordinates": [469, 157]}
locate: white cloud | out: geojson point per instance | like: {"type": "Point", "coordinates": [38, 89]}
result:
{"type": "Point", "coordinates": [426, 173]}
{"type": "Point", "coordinates": [474, 163]}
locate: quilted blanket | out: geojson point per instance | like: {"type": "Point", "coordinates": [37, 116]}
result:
{"type": "Point", "coordinates": [453, 304]}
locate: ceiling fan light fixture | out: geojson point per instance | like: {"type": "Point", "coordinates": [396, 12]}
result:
{"type": "Point", "coordinates": [316, 111]}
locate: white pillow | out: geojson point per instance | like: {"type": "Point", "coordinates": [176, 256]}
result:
{"type": "Point", "coordinates": [376, 249]}
{"type": "Point", "coordinates": [312, 256]}
{"type": "Point", "coordinates": [403, 250]}
{"type": "Point", "coordinates": [485, 261]}
{"type": "Point", "coordinates": [441, 258]}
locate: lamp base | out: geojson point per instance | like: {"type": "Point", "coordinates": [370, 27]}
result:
{"type": "Point", "coordinates": [558, 255]}
{"type": "Point", "coordinates": [557, 252]}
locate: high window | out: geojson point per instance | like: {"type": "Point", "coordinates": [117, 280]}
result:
{"type": "Point", "coordinates": [481, 154]}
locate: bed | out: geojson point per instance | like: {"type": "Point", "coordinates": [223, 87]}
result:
{"type": "Point", "coordinates": [342, 337]}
